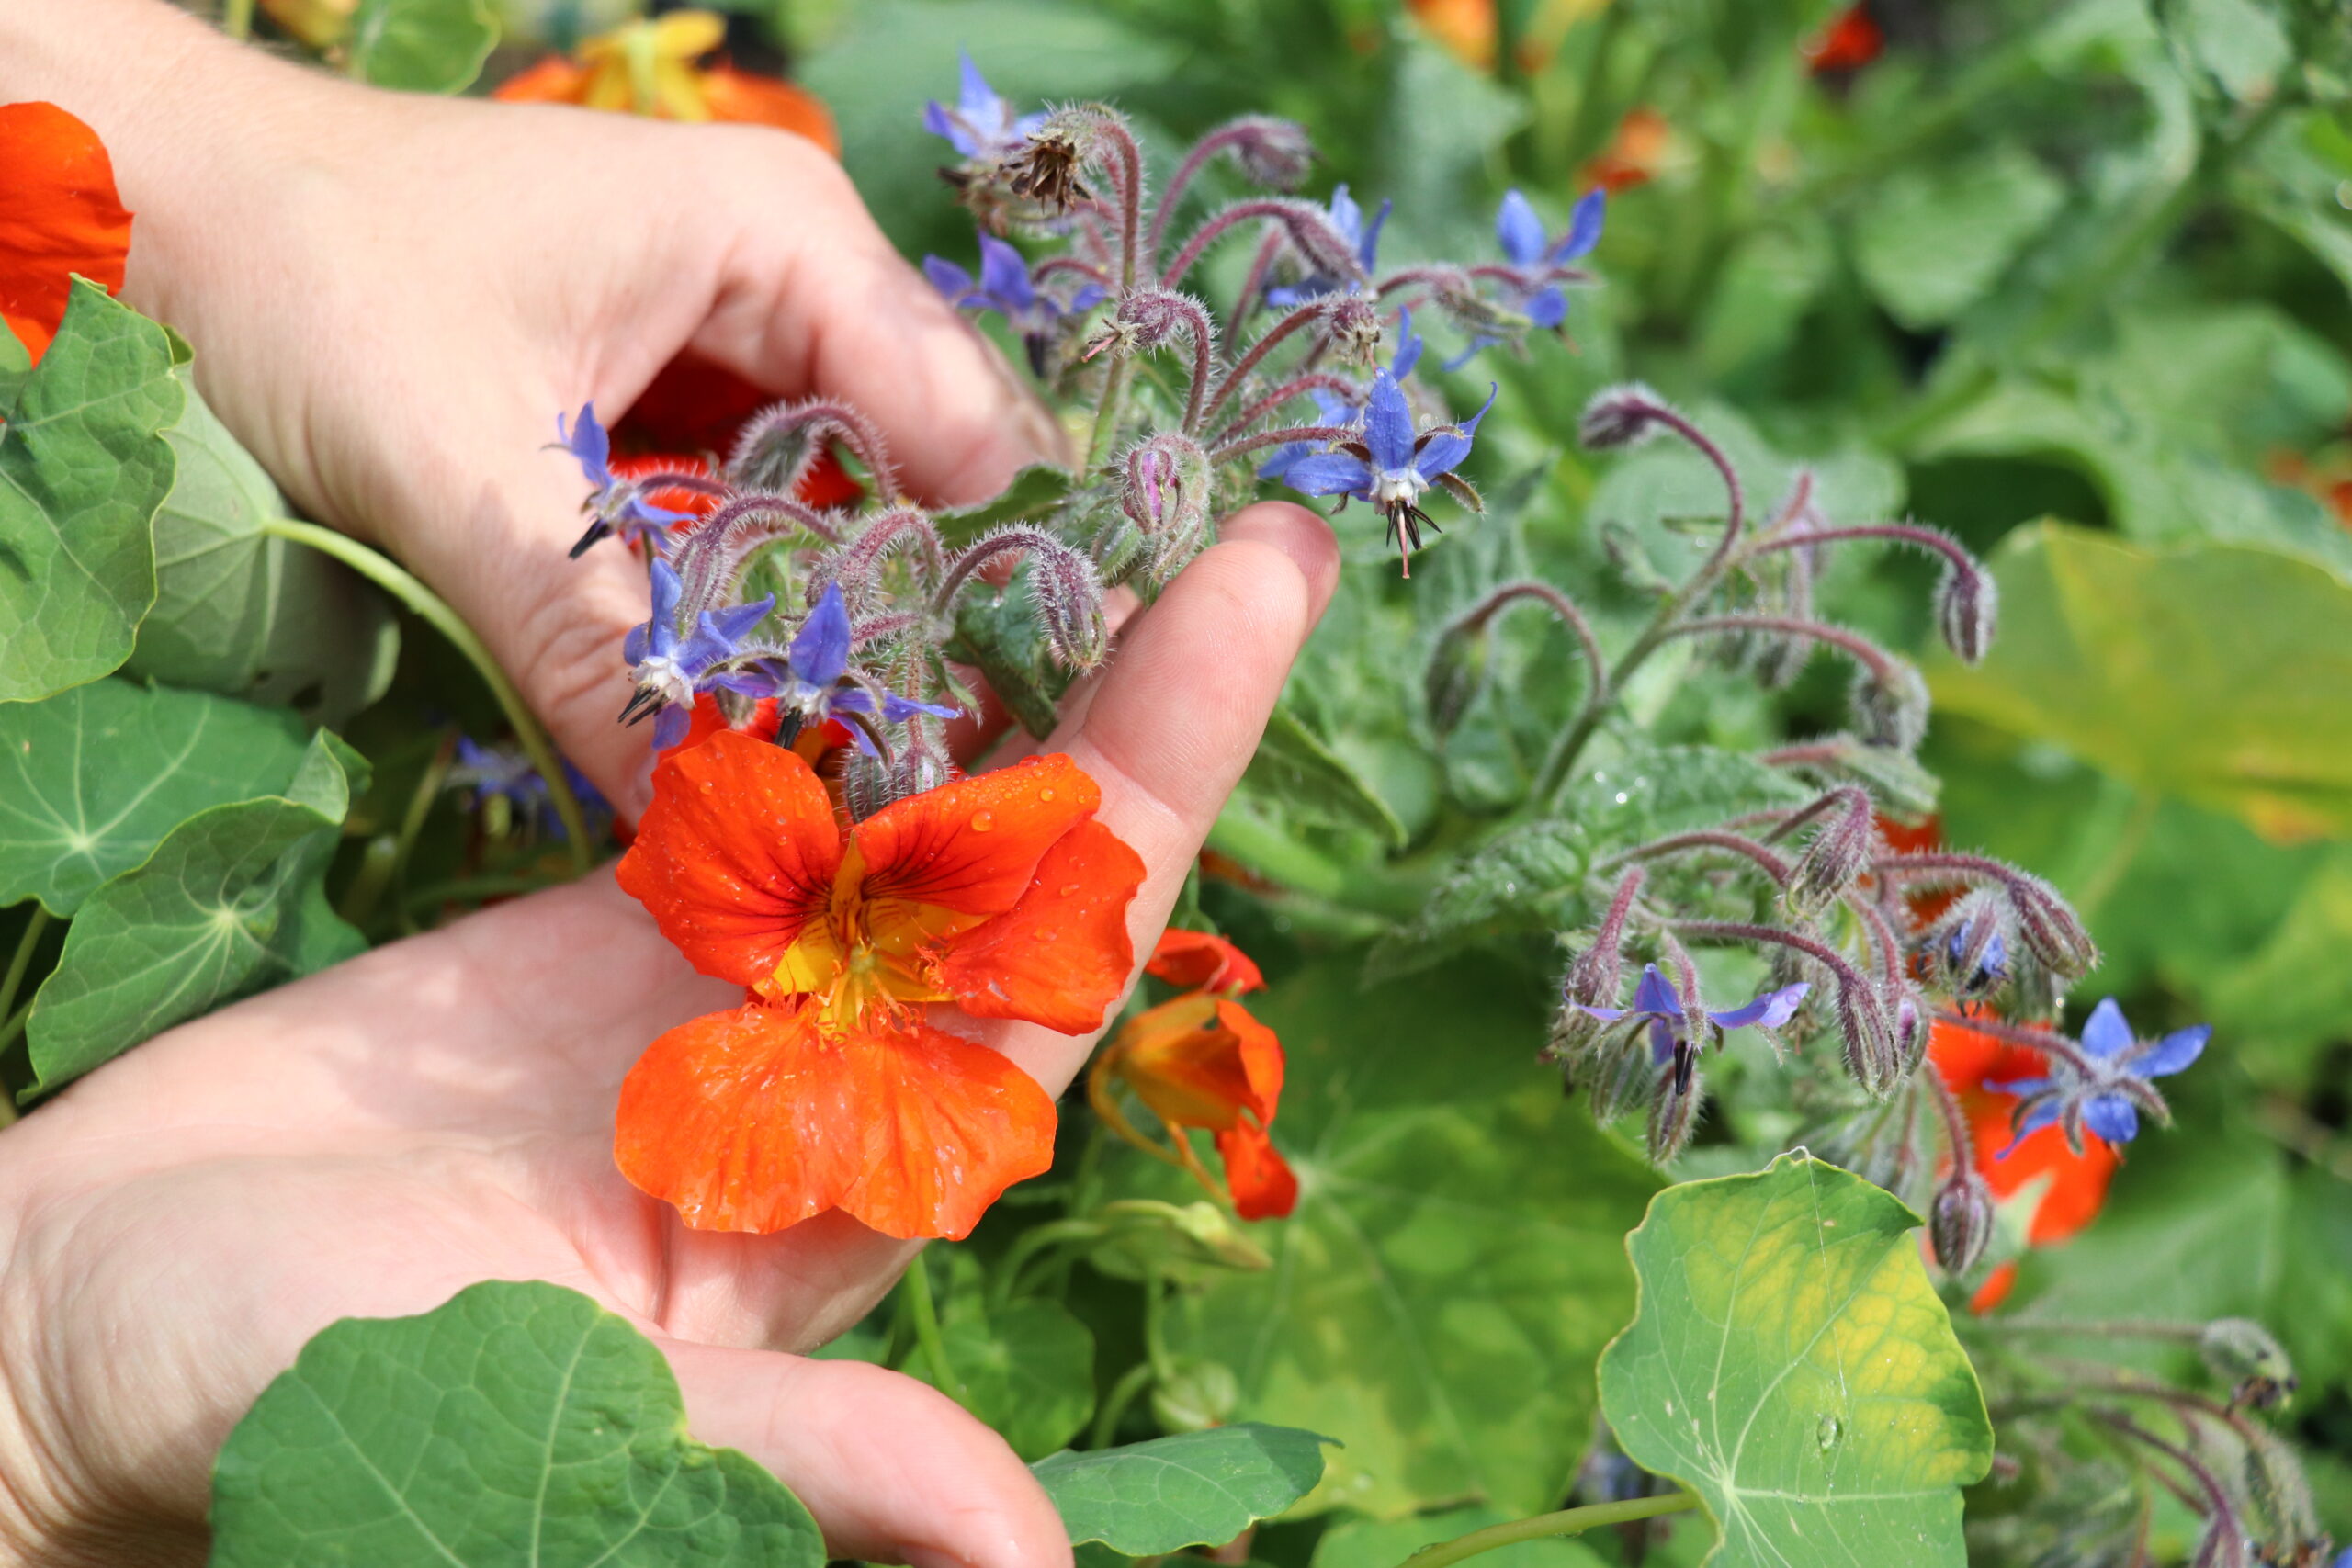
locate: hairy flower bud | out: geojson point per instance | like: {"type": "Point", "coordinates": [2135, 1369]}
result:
{"type": "Point", "coordinates": [1454, 676]}
{"type": "Point", "coordinates": [1618, 1074]}
{"type": "Point", "coordinates": [1046, 170]}
{"type": "Point", "coordinates": [1270, 151]}
{"type": "Point", "coordinates": [1839, 852]}
{"type": "Point", "coordinates": [1352, 326]}
{"type": "Point", "coordinates": [1966, 951]}
{"type": "Point", "coordinates": [1165, 494]}
{"type": "Point", "coordinates": [1674, 1106]}
{"type": "Point", "coordinates": [1069, 605]}
{"type": "Point", "coordinates": [1620, 416]}
{"type": "Point", "coordinates": [2244, 1354]}
{"type": "Point", "coordinates": [780, 444]}
{"type": "Point", "coordinates": [1961, 1224]}
{"type": "Point", "coordinates": [1871, 1054]}
{"type": "Point", "coordinates": [2050, 930]}
{"type": "Point", "coordinates": [1910, 1031]}
{"type": "Point", "coordinates": [1890, 709]}
{"type": "Point", "coordinates": [1967, 604]}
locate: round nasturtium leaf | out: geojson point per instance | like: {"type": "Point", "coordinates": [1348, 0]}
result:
{"type": "Point", "coordinates": [517, 1425]}
{"type": "Point", "coordinates": [1789, 1363]}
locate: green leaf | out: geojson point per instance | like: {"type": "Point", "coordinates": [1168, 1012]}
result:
{"type": "Point", "coordinates": [15, 364]}
{"type": "Point", "coordinates": [2239, 43]}
{"type": "Point", "coordinates": [231, 901]}
{"type": "Point", "coordinates": [1455, 1260]}
{"type": "Point", "coordinates": [83, 465]}
{"type": "Point", "coordinates": [2210, 672]}
{"type": "Point", "coordinates": [518, 1425]}
{"type": "Point", "coordinates": [1932, 243]}
{"type": "Point", "coordinates": [246, 613]}
{"type": "Point", "coordinates": [93, 778]}
{"type": "Point", "coordinates": [1769, 283]}
{"type": "Point", "coordinates": [1385, 1543]}
{"type": "Point", "coordinates": [1790, 1363]}
{"type": "Point", "coordinates": [998, 633]}
{"type": "Point", "coordinates": [1027, 1369]}
{"type": "Point", "coordinates": [420, 46]}
{"type": "Point", "coordinates": [1035, 491]}
{"type": "Point", "coordinates": [1300, 779]}
{"type": "Point", "coordinates": [1195, 1489]}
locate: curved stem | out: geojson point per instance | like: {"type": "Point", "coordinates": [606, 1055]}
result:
{"type": "Point", "coordinates": [925, 1314]}
{"type": "Point", "coordinates": [35, 928]}
{"type": "Point", "coordinates": [1865, 652]}
{"type": "Point", "coordinates": [1765, 861]}
{"type": "Point", "coordinates": [2041, 1040]}
{"type": "Point", "coordinates": [1106, 412]}
{"type": "Point", "coordinates": [1297, 387]}
{"type": "Point", "coordinates": [1964, 1145]}
{"type": "Point", "coordinates": [1132, 1381]}
{"type": "Point", "coordinates": [1282, 437]}
{"type": "Point", "coordinates": [1568, 1521]}
{"type": "Point", "coordinates": [429, 607]}
{"type": "Point", "coordinates": [1249, 360]}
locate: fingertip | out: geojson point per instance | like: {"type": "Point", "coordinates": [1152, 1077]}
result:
{"type": "Point", "coordinates": [1304, 539]}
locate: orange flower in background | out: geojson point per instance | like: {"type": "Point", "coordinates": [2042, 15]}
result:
{"type": "Point", "coordinates": [653, 67]}
{"type": "Point", "coordinates": [59, 216]}
{"type": "Point", "coordinates": [1848, 41]}
{"type": "Point", "coordinates": [1203, 1061]}
{"type": "Point", "coordinates": [1968, 1061]}
{"type": "Point", "coordinates": [1635, 155]}
{"type": "Point", "coordinates": [829, 1088]}
{"type": "Point", "coordinates": [1468, 28]}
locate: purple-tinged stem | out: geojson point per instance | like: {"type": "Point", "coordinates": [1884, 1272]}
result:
{"type": "Point", "coordinates": [1292, 215]}
{"type": "Point", "coordinates": [2045, 1041]}
{"type": "Point", "coordinates": [1904, 532]}
{"type": "Point", "coordinates": [1249, 360]}
{"type": "Point", "coordinates": [1865, 652]}
{"type": "Point", "coordinates": [1282, 437]}
{"type": "Point", "coordinates": [1770, 864]}
{"type": "Point", "coordinates": [1297, 387]}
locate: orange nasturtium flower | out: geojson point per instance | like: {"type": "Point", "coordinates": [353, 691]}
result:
{"type": "Point", "coordinates": [1636, 151]}
{"type": "Point", "coordinates": [2076, 1183]}
{"type": "Point", "coordinates": [1201, 1061]}
{"type": "Point", "coordinates": [1847, 41]}
{"type": "Point", "coordinates": [59, 216]}
{"type": "Point", "coordinates": [652, 67]}
{"type": "Point", "coordinates": [829, 1088]}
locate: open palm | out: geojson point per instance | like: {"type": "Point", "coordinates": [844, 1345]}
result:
{"type": "Point", "coordinates": [370, 1140]}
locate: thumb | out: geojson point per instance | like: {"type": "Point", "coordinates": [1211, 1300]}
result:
{"type": "Point", "coordinates": [893, 1470]}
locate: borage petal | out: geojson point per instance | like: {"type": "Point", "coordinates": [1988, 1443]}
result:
{"type": "Point", "coordinates": [1061, 956]}
{"type": "Point", "coordinates": [755, 1120]}
{"type": "Point", "coordinates": [735, 853]}
{"type": "Point", "coordinates": [1328, 473]}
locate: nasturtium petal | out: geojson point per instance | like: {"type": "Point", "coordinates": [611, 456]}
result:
{"type": "Point", "coordinates": [1195, 1489]}
{"type": "Point", "coordinates": [1062, 956]}
{"type": "Point", "coordinates": [83, 465]}
{"type": "Point", "coordinates": [63, 216]}
{"type": "Point", "coordinates": [755, 1120]}
{"type": "Point", "coordinates": [517, 1425]}
{"type": "Point", "coordinates": [972, 847]}
{"type": "Point", "coordinates": [735, 853]}
{"type": "Point", "coordinates": [1790, 1363]}
{"type": "Point", "coordinates": [93, 778]}
{"type": "Point", "coordinates": [232, 899]}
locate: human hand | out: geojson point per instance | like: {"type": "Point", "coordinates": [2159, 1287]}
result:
{"type": "Point", "coordinates": [370, 1140]}
{"type": "Point", "coordinates": [391, 298]}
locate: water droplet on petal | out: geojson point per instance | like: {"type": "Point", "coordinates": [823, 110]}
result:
{"type": "Point", "coordinates": [1045, 795]}
{"type": "Point", "coordinates": [982, 821]}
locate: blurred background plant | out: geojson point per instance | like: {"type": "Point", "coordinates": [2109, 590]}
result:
{"type": "Point", "coordinates": [2071, 281]}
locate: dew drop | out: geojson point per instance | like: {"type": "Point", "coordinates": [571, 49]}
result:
{"type": "Point", "coordinates": [982, 821]}
{"type": "Point", "coordinates": [1827, 1433]}
{"type": "Point", "coordinates": [1045, 795]}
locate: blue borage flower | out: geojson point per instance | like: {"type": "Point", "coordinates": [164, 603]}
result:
{"type": "Point", "coordinates": [814, 682]}
{"type": "Point", "coordinates": [669, 668]}
{"type": "Point", "coordinates": [1529, 283]}
{"type": "Point", "coordinates": [1348, 219]}
{"type": "Point", "coordinates": [1339, 411]}
{"type": "Point", "coordinates": [1006, 286]}
{"type": "Point", "coordinates": [1659, 1007]}
{"type": "Point", "coordinates": [982, 125]}
{"type": "Point", "coordinates": [1391, 467]}
{"type": "Point", "coordinates": [503, 773]}
{"type": "Point", "coordinates": [2106, 1087]}
{"type": "Point", "coordinates": [618, 505]}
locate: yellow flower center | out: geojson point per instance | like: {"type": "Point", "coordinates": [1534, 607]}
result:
{"type": "Point", "coordinates": [863, 962]}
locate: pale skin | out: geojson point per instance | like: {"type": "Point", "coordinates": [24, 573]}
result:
{"type": "Point", "coordinates": [390, 297]}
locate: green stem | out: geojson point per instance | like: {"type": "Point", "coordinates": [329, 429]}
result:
{"type": "Point", "coordinates": [34, 929]}
{"type": "Point", "coordinates": [1568, 1521]}
{"type": "Point", "coordinates": [1027, 1247]}
{"type": "Point", "coordinates": [1106, 413]}
{"type": "Point", "coordinates": [237, 19]}
{"type": "Point", "coordinates": [1132, 1381]}
{"type": "Point", "coordinates": [925, 1313]}
{"type": "Point", "coordinates": [10, 1030]}
{"type": "Point", "coordinates": [400, 584]}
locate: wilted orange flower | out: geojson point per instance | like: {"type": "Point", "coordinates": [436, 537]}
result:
{"type": "Point", "coordinates": [1968, 1061]}
{"type": "Point", "coordinates": [1847, 41]}
{"type": "Point", "coordinates": [59, 216]}
{"type": "Point", "coordinates": [1203, 1061]}
{"type": "Point", "coordinates": [829, 1088]}
{"type": "Point", "coordinates": [1635, 155]}
{"type": "Point", "coordinates": [652, 67]}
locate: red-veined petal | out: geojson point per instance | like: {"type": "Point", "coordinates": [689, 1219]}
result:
{"type": "Point", "coordinates": [1061, 956]}
{"type": "Point", "coordinates": [970, 848]}
{"type": "Point", "coordinates": [1199, 961]}
{"type": "Point", "coordinates": [755, 1120]}
{"type": "Point", "coordinates": [60, 216]}
{"type": "Point", "coordinates": [735, 853]}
